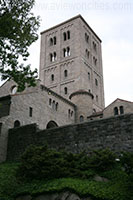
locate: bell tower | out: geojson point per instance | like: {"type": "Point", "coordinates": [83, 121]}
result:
{"type": "Point", "coordinates": [71, 61]}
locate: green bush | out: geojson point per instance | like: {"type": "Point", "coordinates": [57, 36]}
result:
{"type": "Point", "coordinates": [126, 159]}
{"type": "Point", "coordinates": [39, 162]}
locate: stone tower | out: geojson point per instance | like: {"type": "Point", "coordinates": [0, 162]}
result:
{"type": "Point", "coordinates": [71, 62]}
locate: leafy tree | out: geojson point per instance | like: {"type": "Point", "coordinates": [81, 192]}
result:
{"type": "Point", "coordinates": [18, 27]}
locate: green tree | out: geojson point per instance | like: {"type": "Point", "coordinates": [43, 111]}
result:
{"type": "Point", "coordinates": [18, 30]}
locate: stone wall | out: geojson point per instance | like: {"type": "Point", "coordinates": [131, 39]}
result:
{"type": "Point", "coordinates": [115, 133]}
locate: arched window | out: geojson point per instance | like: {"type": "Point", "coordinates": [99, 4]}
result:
{"type": "Point", "coordinates": [68, 35]}
{"type": "Point", "coordinates": [51, 57]}
{"type": "Point", "coordinates": [65, 90]}
{"type": "Point", "coordinates": [55, 56]}
{"type": "Point", "coordinates": [13, 89]}
{"type": "Point", "coordinates": [65, 73]}
{"type": "Point", "coordinates": [54, 40]}
{"type": "Point", "coordinates": [69, 113]}
{"type": "Point", "coordinates": [121, 110]}
{"type": "Point", "coordinates": [51, 41]}
{"type": "Point", "coordinates": [81, 118]}
{"type": "Point", "coordinates": [96, 82]}
{"type": "Point", "coordinates": [96, 98]}
{"type": "Point", "coordinates": [68, 51]}
{"type": "Point", "coordinates": [115, 111]}
{"type": "Point", "coordinates": [16, 124]}
{"type": "Point", "coordinates": [64, 52]}
{"type": "Point", "coordinates": [52, 77]}
{"type": "Point", "coordinates": [88, 75]}
{"type": "Point", "coordinates": [56, 106]}
{"type": "Point", "coordinates": [64, 36]}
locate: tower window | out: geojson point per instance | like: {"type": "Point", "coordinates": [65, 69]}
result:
{"type": "Point", "coordinates": [65, 90]}
{"type": "Point", "coordinates": [68, 35]}
{"type": "Point", "coordinates": [52, 77]}
{"type": "Point", "coordinates": [53, 105]}
{"type": "Point", "coordinates": [69, 113]}
{"type": "Point", "coordinates": [51, 57]}
{"type": "Point", "coordinates": [96, 82]}
{"type": "Point", "coordinates": [86, 38]}
{"type": "Point", "coordinates": [121, 110]}
{"type": "Point", "coordinates": [64, 36]}
{"type": "Point", "coordinates": [87, 53]}
{"type": "Point", "coordinates": [96, 98]}
{"type": "Point", "coordinates": [30, 111]}
{"type": "Point", "coordinates": [65, 73]}
{"type": "Point", "coordinates": [55, 56]}
{"type": "Point", "coordinates": [88, 75]}
{"type": "Point", "coordinates": [94, 46]}
{"type": "Point", "coordinates": [81, 118]}
{"type": "Point", "coordinates": [115, 111]}
{"type": "Point", "coordinates": [66, 52]}
{"type": "Point", "coordinates": [54, 40]}
{"type": "Point", "coordinates": [51, 41]}
{"type": "Point", "coordinates": [95, 61]}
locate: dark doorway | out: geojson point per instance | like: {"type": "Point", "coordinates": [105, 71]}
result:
{"type": "Point", "coordinates": [51, 124]}
{"type": "Point", "coordinates": [16, 124]}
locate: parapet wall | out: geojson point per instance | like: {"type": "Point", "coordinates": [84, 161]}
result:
{"type": "Point", "coordinates": [115, 133]}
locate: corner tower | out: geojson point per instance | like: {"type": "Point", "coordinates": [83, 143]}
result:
{"type": "Point", "coordinates": [71, 60]}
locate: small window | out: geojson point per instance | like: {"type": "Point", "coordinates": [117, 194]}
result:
{"type": "Point", "coordinates": [51, 41]}
{"type": "Point", "coordinates": [69, 113]}
{"type": "Point", "coordinates": [96, 98]}
{"type": "Point", "coordinates": [64, 36]}
{"type": "Point", "coordinates": [68, 51]}
{"type": "Point", "coordinates": [65, 73]}
{"type": "Point", "coordinates": [96, 82]}
{"type": "Point", "coordinates": [54, 40]}
{"type": "Point", "coordinates": [68, 35]}
{"type": "Point", "coordinates": [65, 90]}
{"type": "Point", "coordinates": [94, 110]}
{"type": "Point", "coordinates": [88, 75]}
{"type": "Point", "coordinates": [50, 101]}
{"type": "Point", "coordinates": [52, 77]}
{"type": "Point", "coordinates": [94, 46]}
{"type": "Point", "coordinates": [121, 110]}
{"type": "Point", "coordinates": [95, 61]}
{"type": "Point", "coordinates": [86, 38]}
{"type": "Point", "coordinates": [13, 89]}
{"type": "Point", "coordinates": [115, 111]}
{"type": "Point", "coordinates": [55, 56]}
{"type": "Point", "coordinates": [51, 57]}
{"type": "Point", "coordinates": [56, 106]}
{"type": "Point", "coordinates": [16, 124]}
{"type": "Point", "coordinates": [64, 52]}
{"type": "Point", "coordinates": [30, 111]}
{"type": "Point", "coordinates": [81, 118]}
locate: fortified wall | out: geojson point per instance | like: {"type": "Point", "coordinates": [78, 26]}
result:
{"type": "Point", "coordinates": [115, 133]}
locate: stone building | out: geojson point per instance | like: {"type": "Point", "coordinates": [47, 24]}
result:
{"type": "Point", "coordinates": [70, 86]}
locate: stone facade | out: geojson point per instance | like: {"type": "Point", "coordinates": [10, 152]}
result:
{"type": "Point", "coordinates": [35, 105]}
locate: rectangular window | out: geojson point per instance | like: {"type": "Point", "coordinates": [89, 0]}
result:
{"type": "Point", "coordinates": [30, 111]}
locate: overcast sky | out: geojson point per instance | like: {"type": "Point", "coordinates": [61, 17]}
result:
{"type": "Point", "coordinates": [113, 23]}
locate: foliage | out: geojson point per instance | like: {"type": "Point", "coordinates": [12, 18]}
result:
{"type": "Point", "coordinates": [126, 159]}
{"type": "Point", "coordinates": [79, 173]}
{"type": "Point", "coordinates": [39, 162]}
{"type": "Point", "coordinates": [18, 28]}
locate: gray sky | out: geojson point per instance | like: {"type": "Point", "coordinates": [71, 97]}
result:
{"type": "Point", "coordinates": [113, 23]}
